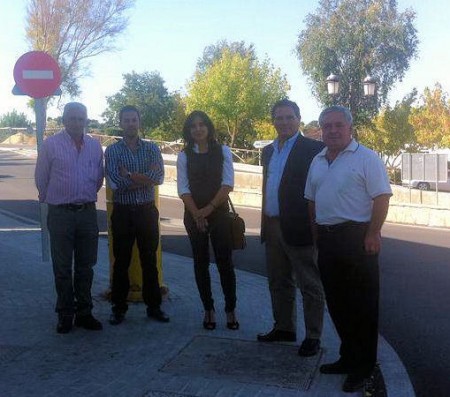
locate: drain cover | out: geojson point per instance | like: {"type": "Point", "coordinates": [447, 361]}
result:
{"type": "Point", "coordinates": [244, 361]}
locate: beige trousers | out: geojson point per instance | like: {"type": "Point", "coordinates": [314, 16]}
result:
{"type": "Point", "coordinates": [289, 267]}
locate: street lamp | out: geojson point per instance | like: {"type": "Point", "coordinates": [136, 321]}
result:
{"type": "Point", "coordinates": [333, 84]}
{"type": "Point", "coordinates": [369, 84]}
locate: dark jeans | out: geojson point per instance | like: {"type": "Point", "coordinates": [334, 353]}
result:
{"type": "Point", "coordinates": [73, 238]}
{"type": "Point", "coordinates": [350, 279]}
{"type": "Point", "coordinates": [130, 223]}
{"type": "Point", "coordinates": [219, 231]}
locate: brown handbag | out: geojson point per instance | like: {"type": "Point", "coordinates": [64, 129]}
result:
{"type": "Point", "coordinates": [237, 229]}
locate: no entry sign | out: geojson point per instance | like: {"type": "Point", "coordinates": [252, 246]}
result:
{"type": "Point", "coordinates": [37, 74]}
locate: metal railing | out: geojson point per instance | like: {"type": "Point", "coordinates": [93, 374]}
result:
{"type": "Point", "coordinates": [244, 156]}
{"type": "Point", "coordinates": [239, 155]}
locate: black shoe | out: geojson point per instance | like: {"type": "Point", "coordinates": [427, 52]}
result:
{"type": "Point", "coordinates": [208, 322]}
{"type": "Point", "coordinates": [309, 347]}
{"type": "Point", "coordinates": [158, 314]}
{"type": "Point", "coordinates": [88, 322]}
{"type": "Point", "coordinates": [116, 318]}
{"type": "Point", "coordinates": [336, 368]}
{"type": "Point", "coordinates": [354, 382]}
{"type": "Point", "coordinates": [277, 335]}
{"type": "Point", "coordinates": [232, 323]}
{"type": "Point", "coordinates": [65, 323]}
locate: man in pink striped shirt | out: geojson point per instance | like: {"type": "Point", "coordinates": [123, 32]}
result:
{"type": "Point", "coordinates": [68, 175]}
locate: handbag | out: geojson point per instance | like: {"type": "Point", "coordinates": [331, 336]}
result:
{"type": "Point", "coordinates": [237, 226]}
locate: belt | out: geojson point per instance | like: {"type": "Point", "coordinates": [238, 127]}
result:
{"type": "Point", "coordinates": [339, 226]}
{"type": "Point", "coordinates": [77, 207]}
{"type": "Point", "coordinates": [134, 206]}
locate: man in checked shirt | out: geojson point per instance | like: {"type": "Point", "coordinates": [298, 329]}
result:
{"type": "Point", "coordinates": [133, 168]}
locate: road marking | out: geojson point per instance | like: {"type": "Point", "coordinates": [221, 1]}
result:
{"type": "Point", "coordinates": [21, 229]}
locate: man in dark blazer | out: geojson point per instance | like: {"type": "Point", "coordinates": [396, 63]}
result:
{"type": "Point", "coordinates": [286, 231]}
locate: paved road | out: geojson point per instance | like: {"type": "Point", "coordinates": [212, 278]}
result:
{"type": "Point", "coordinates": [415, 275]}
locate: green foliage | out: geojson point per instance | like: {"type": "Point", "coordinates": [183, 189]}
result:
{"type": "Point", "coordinates": [431, 120]}
{"type": "Point", "coordinates": [214, 52]}
{"type": "Point", "coordinates": [14, 119]}
{"type": "Point", "coordinates": [390, 132]}
{"type": "Point", "coordinates": [353, 38]}
{"type": "Point", "coordinates": [171, 128]}
{"type": "Point", "coordinates": [236, 91]}
{"type": "Point", "coordinates": [147, 92]}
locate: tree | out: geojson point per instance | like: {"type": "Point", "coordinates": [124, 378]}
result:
{"type": "Point", "coordinates": [73, 31]}
{"type": "Point", "coordinates": [15, 120]}
{"type": "Point", "coordinates": [353, 38]}
{"type": "Point", "coordinates": [236, 91]}
{"type": "Point", "coordinates": [214, 52]}
{"type": "Point", "coordinates": [171, 128]}
{"type": "Point", "coordinates": [147, 92]}
{"type": "Point", "coordinates": [431, 120]}
{"type": "Point", "coordinates": [312, 130]}
{"type": "Point", "coordinates": [390, 132]}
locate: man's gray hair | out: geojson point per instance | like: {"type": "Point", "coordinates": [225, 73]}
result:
{"type": "Point", "coordinates": [341, 109]}
{"type": "Point", "coordinates": [73, 105]}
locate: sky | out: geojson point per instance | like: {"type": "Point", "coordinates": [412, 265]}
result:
{"type": "Point", "coordinates": [168, 36]}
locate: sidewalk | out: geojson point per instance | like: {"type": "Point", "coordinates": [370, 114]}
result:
{"type": "Point", "coordinates": [143, 358]}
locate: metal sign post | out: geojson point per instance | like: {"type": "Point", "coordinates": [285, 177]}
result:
{"type": "Point", "coordinates": [38, 75]}
{"type": "Point", "coordinates": [41, 113]}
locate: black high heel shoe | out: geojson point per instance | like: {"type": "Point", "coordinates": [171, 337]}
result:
{"type": "Point", "coordinates": [232, 323]}
{"type": "Point", "coordinates": [207, 321]}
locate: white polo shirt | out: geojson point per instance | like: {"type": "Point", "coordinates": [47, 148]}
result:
{"type": "Point", "coordinates": [344, 190]}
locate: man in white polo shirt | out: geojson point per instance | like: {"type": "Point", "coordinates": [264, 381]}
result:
{"type": "Point", "coordinates": [348, 191]}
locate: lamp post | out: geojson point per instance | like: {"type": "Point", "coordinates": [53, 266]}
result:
{"type": "Point", "coordinates": [353, 100]}
{"type": "Point", "coordinates": [369, 84]}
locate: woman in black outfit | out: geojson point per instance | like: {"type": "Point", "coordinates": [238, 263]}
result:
{"type": "Point", "coordinates": [205, 177]}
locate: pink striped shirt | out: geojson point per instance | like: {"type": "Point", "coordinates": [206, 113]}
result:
{"type": "Point", "coordinates": [65, 175]}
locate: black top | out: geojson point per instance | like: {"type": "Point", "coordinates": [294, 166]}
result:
{"type": "Point", "coordinates": [204, 172]}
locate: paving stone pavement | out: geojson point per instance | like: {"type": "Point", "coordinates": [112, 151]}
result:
{"type": "Point", "coordinates": [141, 357]}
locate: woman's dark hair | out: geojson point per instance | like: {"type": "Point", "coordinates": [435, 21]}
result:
{"type": "Point", "coordinates": [187, 137]}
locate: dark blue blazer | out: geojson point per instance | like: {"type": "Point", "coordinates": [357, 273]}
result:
{"type": "Point", "coordinates": [294, 216]}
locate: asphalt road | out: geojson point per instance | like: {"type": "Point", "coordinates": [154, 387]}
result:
{"type": "Point", "coordinates": [415, 274]}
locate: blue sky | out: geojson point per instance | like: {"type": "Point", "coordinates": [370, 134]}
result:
{"type": "Point", "coordinates": [169, 36]}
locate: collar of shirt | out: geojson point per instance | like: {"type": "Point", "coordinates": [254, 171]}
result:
{"type": "Point", "coordinates": [139, 143]}
{"type": "Point", "coordinates": [287, 144]}
{"type": "Point", "coordinates": [351, 147]}
{"type": "Point", "coordinates": [70, 139]}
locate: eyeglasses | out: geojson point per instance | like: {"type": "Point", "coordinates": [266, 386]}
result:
{"type": "Point", "coordinates": [280, 119]}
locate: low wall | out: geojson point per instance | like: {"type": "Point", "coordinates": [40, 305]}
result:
{"type": "Point", "coordinates": [408, 206]}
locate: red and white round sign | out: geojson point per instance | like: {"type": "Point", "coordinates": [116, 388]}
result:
{"type": "Point", "coordinates": [37, 74]}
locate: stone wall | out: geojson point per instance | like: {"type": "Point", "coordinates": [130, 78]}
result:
{"type": "Point", "coordinates": [408, 206]}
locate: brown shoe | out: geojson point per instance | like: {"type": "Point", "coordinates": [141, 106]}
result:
{"type": "Point", "coordinates": [277, 335]}
{"type": "Point", "coordinates": [158, 315]}
{"type": "Point", "coordinates": [337, 368]}
{"type": "Point", "coordinates": [88, 322]}
{"type": "Point", "coordinates": [65, 323]}
{"type": "Point", "coordinates": [354, 382]}
{"type": "Point", "coordinates": [309, 347]}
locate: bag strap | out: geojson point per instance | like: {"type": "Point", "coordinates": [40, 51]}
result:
{"type": "Point", "coordinates": [231, 205]}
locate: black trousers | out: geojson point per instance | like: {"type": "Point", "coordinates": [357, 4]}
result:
{"type": "Point", "coordinates": [219, 231]}
{"type": "Point", "coordinates": [350, 279]}
{"type": "Point", "coordinates": [130, 223]}
{"type": "Point", "coordinates": [74, 243]}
